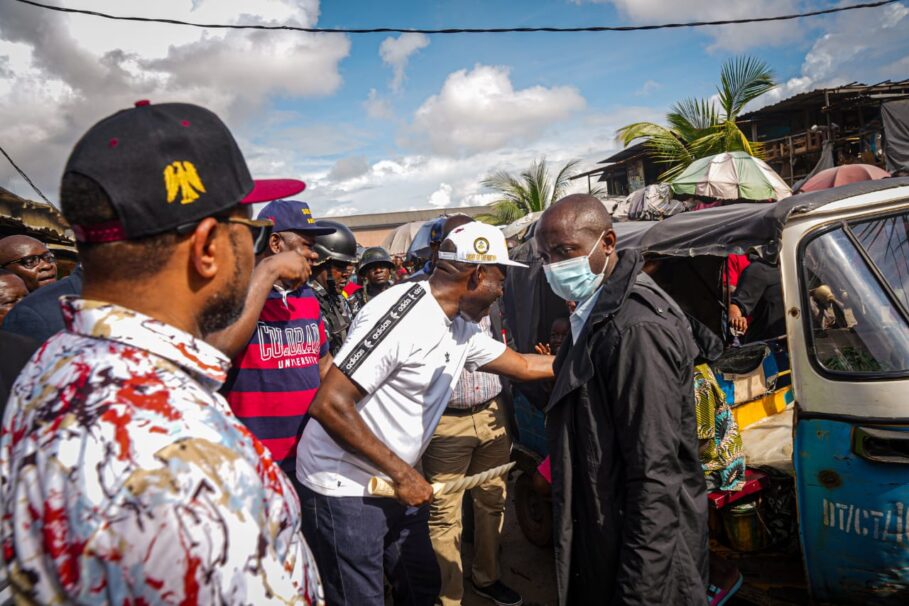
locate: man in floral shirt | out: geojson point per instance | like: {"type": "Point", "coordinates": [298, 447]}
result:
{"type": "Point", "coordinates": [124, 476]}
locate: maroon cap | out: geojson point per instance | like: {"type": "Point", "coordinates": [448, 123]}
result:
{"type": "Point", "coordinates": [266, 190]}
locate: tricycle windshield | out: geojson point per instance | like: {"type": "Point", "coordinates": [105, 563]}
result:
{"type": "Point", "coordinates": [855, 282]}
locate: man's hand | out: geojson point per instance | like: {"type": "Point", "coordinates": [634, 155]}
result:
{"type": "Point", "coordinates": [542, 349]}
{"type": "Point", "coordinates": [413, 489]}
{"type": "Point", "coordinates": [290, 267]}
{"type": "Point", "coordinates": [736, 320]}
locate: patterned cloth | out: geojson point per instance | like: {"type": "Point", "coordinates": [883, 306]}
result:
{"type": "Point", "coordinates": [125, 479]}
{"type": "Point", "coordinates": [476, 387]}
{"type": "Point", "coordinates": [723, 455]}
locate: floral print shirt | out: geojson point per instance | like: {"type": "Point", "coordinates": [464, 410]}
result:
{"type": "Point", "coordinates": [125, 478]}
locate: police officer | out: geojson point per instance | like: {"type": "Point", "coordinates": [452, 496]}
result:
{"type": "Point", "coordinates": [331, 272]}
{"type": "Point", "coordinates": [375, 272]}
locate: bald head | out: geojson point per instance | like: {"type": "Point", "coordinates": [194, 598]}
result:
{"type": "Point", "coordinates": [29, 259]}
{"type": "Point", "coordinates": [582, 211]}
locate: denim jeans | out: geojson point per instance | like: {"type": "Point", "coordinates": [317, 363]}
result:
{"type": "Point", "coordinates": [358, 541]}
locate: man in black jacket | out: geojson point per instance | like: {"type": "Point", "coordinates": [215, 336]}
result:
{"type": "Point", "coordinates": [629, 497]}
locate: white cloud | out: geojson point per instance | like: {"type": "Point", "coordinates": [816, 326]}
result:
{"type": "Point", "coordinates": [396, 52]}
{"type": "Point", "coordinates": [348, 168]}
{"type": "Point", "coordinates": [862, 46]}
{"type": "Point", "coordinates": [648, 88]}
{"type": "Point", "coordinates": [63, 73]}
{"type": "Point", "coordinates": [340, 211]}
{"type": "Point", "coordinates": [410, 181]}
{"type": "Point", "coordinates": [734, 38]}
{"type": "Point", "coordinates": [479, 110]}
{"type": "Point", "coordinates": [441, 197]}
{"type": "Point", "coordinates": [377, 107]}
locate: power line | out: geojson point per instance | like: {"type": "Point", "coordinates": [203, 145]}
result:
{"type": "Point", "coordinates": [24, 176]}
{"type": "Point", "coordinates": [484, 30]}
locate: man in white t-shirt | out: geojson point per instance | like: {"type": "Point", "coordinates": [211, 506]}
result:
{"type": "Point", "coordinates": [377, 409]}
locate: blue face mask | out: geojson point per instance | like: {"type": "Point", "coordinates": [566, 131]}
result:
{"type": "Point", "coordinates": [572, 279]}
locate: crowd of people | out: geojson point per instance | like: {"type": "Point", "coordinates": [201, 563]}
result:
{"type": "Point", "coordinates": [196, 413]}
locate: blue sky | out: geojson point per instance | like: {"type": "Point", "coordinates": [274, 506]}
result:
{"type": "Point", "coordinates": [385, 122]}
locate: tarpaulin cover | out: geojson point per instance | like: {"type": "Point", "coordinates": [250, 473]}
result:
{"type": "Point", "coordinates": [895, 115]}
{"type": "Point", "coordinates": [732, 229]}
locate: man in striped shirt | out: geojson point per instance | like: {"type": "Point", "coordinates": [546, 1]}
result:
{"type": "Point", "coordinates": [279, 347]}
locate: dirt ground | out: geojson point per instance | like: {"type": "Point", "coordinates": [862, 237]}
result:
{"type": "Point", "coordinates": [526, 568]}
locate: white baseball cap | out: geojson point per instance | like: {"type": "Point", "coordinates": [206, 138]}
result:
{"type": "Point", "coordinates": [479, 243]}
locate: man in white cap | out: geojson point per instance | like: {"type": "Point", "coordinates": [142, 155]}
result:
{"type": "Point", "coordinates": [377, 409]}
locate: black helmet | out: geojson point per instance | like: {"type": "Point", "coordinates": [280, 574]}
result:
{"type": "Point", "coordinates": [375, 255]}
{"type": "Point", "coordinates": [339, 246]}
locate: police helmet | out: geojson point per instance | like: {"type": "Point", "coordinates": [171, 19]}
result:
{"type": "Point", "coordinates": [338, 246]}
{"type": "Point", "coordinates": [375, 255]}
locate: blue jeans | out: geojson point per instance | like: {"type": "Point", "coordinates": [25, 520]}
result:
{"type": "Point", "coordinates": [358, 541]}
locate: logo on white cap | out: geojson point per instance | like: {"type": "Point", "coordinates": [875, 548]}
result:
{"type": "Point", "coordinates": [479, 243]}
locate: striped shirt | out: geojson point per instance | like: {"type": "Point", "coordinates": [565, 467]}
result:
{"type": "Point", "coordinates": [475, 388]}
{"type": "Point", "coordinates": [274, 380]}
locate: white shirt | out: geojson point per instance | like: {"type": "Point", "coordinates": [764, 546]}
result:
{"type": "Point", "coordinates": [406, 354]}
{"type": "Point", "coordinates": [579, 318]}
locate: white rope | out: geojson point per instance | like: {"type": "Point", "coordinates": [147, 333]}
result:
{"type": "Point", "coordinates": [380, 487]}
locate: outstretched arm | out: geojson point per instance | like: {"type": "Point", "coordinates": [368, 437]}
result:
{"type": "Point", "coordinates": [521, 367]}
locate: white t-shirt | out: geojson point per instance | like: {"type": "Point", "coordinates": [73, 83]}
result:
{"type": "Point", "coordinates": [406, 355]}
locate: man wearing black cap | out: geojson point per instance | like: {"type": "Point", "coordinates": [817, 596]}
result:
{"type": "Point", "coordinates": [125, 476]}
{"type": "Point", "coordinates": [278, 346]}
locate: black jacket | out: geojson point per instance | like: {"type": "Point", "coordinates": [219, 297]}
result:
{"type": "Point", "coordinates": [38, 315]}
{"type": "Point", "coordinates": [629, 497]}
{"type": "Point", "coordinates": [17, 350]}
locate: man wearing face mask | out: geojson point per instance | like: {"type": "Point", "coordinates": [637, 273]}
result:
{"type": "Point", "coordinates": [629, 497]}
{"type": "Point", "coordinates": [376, 412]}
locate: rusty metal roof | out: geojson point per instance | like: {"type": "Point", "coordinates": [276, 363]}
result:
{"type": "Point", "coordinates": [839, 95]}
{"type": "Point", "coordinates": [37, 219]}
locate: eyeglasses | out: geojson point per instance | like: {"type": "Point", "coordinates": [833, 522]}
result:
{"type": "Point", "coordinates": [32, 261]}
{"type": "Point", "coordinates": [259, 228]}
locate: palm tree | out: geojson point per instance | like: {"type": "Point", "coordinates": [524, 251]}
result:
{"type": "Point", "coordinates": [700, 127]}
{"type": "Point", "coordinates": [531, 191]}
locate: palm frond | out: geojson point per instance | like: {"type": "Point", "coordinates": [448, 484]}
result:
{"type": "Point", "coordinates": [639, 130]}
{"type": "Point", "coordinates": [742, 80]}
{"type": "Point", "coordinates": [692, 116]}
{"type": "Point", "coordinates": [562, 180]}
{"type": "Point", "coordinates": [502, 213]}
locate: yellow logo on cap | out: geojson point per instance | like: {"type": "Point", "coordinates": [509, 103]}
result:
{"type": "Point", "coordinates": [481, 245]}
{"type": "Point", "coordinates": [308, 214]}
{"type": "Point", "coordinates": [182, 177]}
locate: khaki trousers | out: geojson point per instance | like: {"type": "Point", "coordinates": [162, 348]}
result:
{"type": "Point", "coordinates": [466, 445]}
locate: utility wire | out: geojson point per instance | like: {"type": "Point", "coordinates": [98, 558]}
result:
{"type": "Point", "coordinates": [24, 176]}
{"type": "Point", "coordinates": [484, 30]}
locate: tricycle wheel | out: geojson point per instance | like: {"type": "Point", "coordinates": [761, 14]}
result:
{"type": "Point", "coordinates": [534, 512]}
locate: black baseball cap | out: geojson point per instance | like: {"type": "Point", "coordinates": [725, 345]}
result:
{"type": "Point", "coordinates": [165, 166]}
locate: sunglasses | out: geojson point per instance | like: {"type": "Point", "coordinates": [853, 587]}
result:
{"type": "Point", "coordinates": [32, 261]}
{"type": "Point", "coordinates": [260, 229]}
